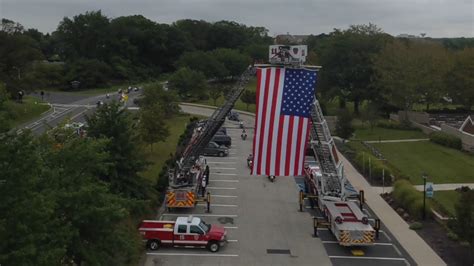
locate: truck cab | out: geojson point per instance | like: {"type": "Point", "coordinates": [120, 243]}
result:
{"type": "Point", "coordinates": [185, 231]}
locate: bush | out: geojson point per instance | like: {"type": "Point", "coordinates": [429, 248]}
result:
{"type": "Point", "coordinates": [446, 140]}
{"type": "Point", "coordinates": [390, 124]}
{"type": "Point", "coordinates": [453, 236]}
{"type": "Point", "coordinates": [409, 198]}
{"type": "Point", "coordinates": [377, 168]}
{"type": "Point", "coordinates": [416, 226]}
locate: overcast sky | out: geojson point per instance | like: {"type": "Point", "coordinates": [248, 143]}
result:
{"type": "Point", "coordinates": [436, 18]}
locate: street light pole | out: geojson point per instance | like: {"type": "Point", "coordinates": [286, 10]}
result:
{"type": "Point", "coordinates": [424, 196]}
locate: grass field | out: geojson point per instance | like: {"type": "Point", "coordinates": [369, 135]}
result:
{"type": "Point", "coordinates": [26, 111]}
{"type": "Point", "coordinates": [386, 134]}
{"type": "Point", "coordinates": [443, 165]}
{"type": "Point", "coordinates": [161, 150]}
{"type": "Point", "coordinates": [447, 199]}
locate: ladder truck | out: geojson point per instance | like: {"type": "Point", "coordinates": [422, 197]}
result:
{"type": "Point", "coordinates": [325, 180]}
{"type": "Point", "coordinates": [186, 178]}
{"type": "Point", "coordinates": [335, 196]}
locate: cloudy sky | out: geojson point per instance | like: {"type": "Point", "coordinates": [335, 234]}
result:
{"type": "Point", "coordinates": [436, 18]}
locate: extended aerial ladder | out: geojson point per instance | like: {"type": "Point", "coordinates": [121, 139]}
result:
{"type": "Point", "coordinates": [185, 179]}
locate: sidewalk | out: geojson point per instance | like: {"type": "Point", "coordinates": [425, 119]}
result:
{"type": "Point", "coordinates": [421, 253]}
{"type": "Point", "coordinates": [437, 187]}
{"type": "Point", "coordinates": [395, 140]}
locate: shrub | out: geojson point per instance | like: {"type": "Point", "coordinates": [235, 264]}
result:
{"type": "Point", "coordinates": [409, 198]}
{"type": "Point", "coordinates": [446, 140]}
{"type": "Point", "coordinates": [377, 171]}
{"type": "Point", "coordinates": [453, 236]}
{"type": "Point", "coordinates": [416, 226]}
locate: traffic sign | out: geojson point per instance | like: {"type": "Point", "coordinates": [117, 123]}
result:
{"type": "Point", "coordinates": [429, 189]}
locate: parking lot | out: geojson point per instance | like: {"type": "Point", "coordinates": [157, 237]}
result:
{"type": "Point", "coordinates": [263, 221]}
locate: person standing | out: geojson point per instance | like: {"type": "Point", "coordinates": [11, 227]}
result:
{"type": "Point", "coordinates": [203, 185]}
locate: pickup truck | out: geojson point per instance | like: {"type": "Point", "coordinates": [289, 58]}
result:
{"type": "Point", "coordinates": [185, 231]}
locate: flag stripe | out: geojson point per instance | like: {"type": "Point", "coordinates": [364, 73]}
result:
{"type": "Point", "coordinates": [274, 109]}
{"type": "Point", "coordinates": [263, 122]}
{"type": "Point", "coordinates": [279, 149]}
{"type": "Point", "coordinates": [266, 125]}
{"type": "Point", "coordinates": [286, 120]}
{"type": "Point", "coordinates": [293, 140]}
{"type": "Point", "coordinates": [288, 145]}
{"type": "Point", "coordinates": [304, 144]}
{"type": "Point", "coordinates": [298, 144]}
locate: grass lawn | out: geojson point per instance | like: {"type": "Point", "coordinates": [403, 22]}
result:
{"type": "Point", "coordinates": [161, 150]}
{"type": "Point", "coordinates": [26, 111]}
{"type": "Point", "coordinates": [443, 165]}
{"type": "Point", "coordinates": [385, 134]}
{"type": "Point", "coordinates": [101, 90]}
{"type": "Point", "coordinates": [447, 199]}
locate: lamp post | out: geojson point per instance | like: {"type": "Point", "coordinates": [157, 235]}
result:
{"type": "Point", "coordinates": [424, 194]}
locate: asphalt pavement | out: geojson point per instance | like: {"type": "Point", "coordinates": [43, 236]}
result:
{"type": "Point", "coordinates": [67, 106]}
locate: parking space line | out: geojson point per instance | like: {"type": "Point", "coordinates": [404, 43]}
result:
{"type": "Point", "coordinates": [366, 258]}
{"type": "Point", "coordinates": [230, 181]}
{"type": "Point", "coordinates": [217, 205]}
{"type": "Point", "coordinates": [232, 240]}
{"type": "Point", "coordinates": [222, 174]}
{"type": "Point", "coordinates": [223, 196]}
{"type": "Point", "coordinates": [200, 214]}
{"type": "Point", "coordinates": [375, 244]}
{"type": "Point", "coordinates": [221, 188]}
{"type": "Point", "coordinates": [385, 234]}
{"type": "Point", "coordinates": [223, 168]}
{"type": "Point", "coordinates": [221, 162]}
{"type": "Point", "coordinates": [397, 250]}
{"type": "Point", "coordinates": [191, 254]}
{"type": "Point", "coordinates": [231, 227]}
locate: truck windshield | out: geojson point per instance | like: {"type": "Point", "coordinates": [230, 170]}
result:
{"type": "Point", "coordinates": [205, 227]}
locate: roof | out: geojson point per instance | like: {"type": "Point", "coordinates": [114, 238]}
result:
{"type": "Point", "coordinates": [468, 125]}
{"type": "Point", "coordinates": [186, 220]}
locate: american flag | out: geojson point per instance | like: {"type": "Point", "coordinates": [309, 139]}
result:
{"type": "Point", "coordinates": [284, 100]}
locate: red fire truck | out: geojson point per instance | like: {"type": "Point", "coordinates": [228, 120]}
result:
{"type": "Point", "coordinates": [185, 231]}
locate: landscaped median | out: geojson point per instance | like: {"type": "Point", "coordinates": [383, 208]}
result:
{"type": "Point", "coordinates": [28, 110]}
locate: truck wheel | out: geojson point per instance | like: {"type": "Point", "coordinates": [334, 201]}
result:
{"type": "Point", "coordinates": [153, 244]}
{"type": "Point", "coordinates": [213, 246]}
{"type": "Point", "coordinates": [221, 154]}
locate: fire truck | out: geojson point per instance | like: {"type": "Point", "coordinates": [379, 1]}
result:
{"type": "Point", "coordinates": [326, 184]}
{"type": "Point", "coordinates": [186, 178]}
{"type": "Point", "coordinates": [185, 231]}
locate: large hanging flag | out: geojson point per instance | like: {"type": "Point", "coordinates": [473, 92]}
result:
{"type": "Point", "coordinates": [284, 101]}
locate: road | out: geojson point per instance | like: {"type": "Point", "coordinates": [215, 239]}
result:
{"type": "Point", "coordinates": [69, 106]}
{"type": "Point", "coordinates": [262, 219]}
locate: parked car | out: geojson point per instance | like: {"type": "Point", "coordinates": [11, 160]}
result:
{"type": "Point", "coordinates": [215, 149]}
{"type": "Point", "coordinates": [222, 140]}
{"type": "Point", "coordinates": [221, 131]}
{"type": "Point", "coordinates": [233, 115]}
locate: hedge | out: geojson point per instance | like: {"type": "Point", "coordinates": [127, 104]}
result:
{"type": "Point", "coordinates": [446, 140]}
{"type": "Point", "coordinates": [410, 199]}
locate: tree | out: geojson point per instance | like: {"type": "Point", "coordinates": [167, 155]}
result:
{"type": "Point", "coordinates": [370, 114]}
{"type": "Point", "coordinates": [248, 97]}
{"type": "Point", "coordinates": [152, 125]}
{"type": "Point", "coordinates": [460, 81]}
{"type": "Point", "coordinates": [233, 60]}
{"type": "Point", "coordinates": [126, 160]}
{"type": "Point", "coordinates": [204, 62]}
{"type": "Point", "coordinates": [4, 114]}
{"type": "Point", "coordinates": [344, 128]}
{"type": "Point", "coordinates": [347, 60]}
{"type": "Point", "coordinates": [409, 73]}
{"type": "Point", "coordinates": [167, 100]}
{"type": "Point", "coordinates": [188, 83]}
{"type": "Point", "coordinates": [90, 72]}
{"type": "Point", "coordinates": [463, 225]}
{"type": "Point", "coordinates": [215, 91]}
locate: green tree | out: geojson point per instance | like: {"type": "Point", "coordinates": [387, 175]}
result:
{"type": "Point", "coordinates": [347, 59]}
{"type": "Point", "coordinates": [344, 128]}
{"type": "Point", "coordinates": [126, 160]}
{"type": "Point", "coordinates": [463, 225]}
{"type": "Point", "coordinates": [90, 72]}
{"type": "Point", "coordinates": [4, 115]}
{"type": "Point", "coordinates": [167, 100]}
{"type": "Point", "coordinates": [215, 91]}
{"type": "Point", "coordinates": [409, 73]}
{"type": "Point", "coordinates": [152, 125]}
{"type": "Point", "coordinates": [233, 60]}
{"type": "Point", "coordinates": [188, 83]}
{"type": "Point", "coordinates": [460, 80]}
{"type": "Point", "coordinates": [248, 97]}
{"type": "Point", "coordinates": [204, 62]}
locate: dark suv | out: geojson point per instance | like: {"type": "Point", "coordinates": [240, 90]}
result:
{"type": "Point", "coordinates": [214, 149]}
{"type": "Point", "coordinates": [222, 140]}
{"type": "Point", "coordinates": [233, 115]}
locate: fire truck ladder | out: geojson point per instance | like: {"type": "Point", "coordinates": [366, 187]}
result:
{"type": "Point", "coordinates": [193, 150]}
{"type": "Point", "coordinates": [323, 147]}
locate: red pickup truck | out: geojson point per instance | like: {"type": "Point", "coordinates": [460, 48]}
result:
{"type": "Point", "coordinates": [185, 231]}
